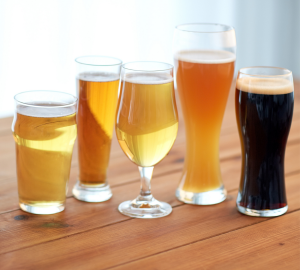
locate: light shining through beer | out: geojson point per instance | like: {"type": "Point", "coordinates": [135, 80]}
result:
{"type": "Point", "coordinates": [44, 143]}
{"type": "Point", "coordinates": [98, 94]}
{"type": "Point", "coordinates": [147, 120]}
{"type": "Point", "coordinates": [203, 83]}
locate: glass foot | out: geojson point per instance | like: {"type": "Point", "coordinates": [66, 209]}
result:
{"type": "Point", "coordinates": [92, 194]}
{"type": "Point", "coordinates": [145, 209]}
{"type": "Point", "coordinates": [203, 198]}
{"type": "Point", "coordinates": [42, 208]}
{"type": "Point", "coordinates": [262, 213]}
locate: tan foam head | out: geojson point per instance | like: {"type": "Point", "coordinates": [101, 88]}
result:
{"type": "Point", "coordinates": [265, 86]}
{"type": "Point", "coordinates": [205, 56]}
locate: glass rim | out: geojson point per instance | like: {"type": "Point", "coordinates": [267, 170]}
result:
{"type": "Point", "coordinates": [229, 28]}
{"type": "Point", "coordinates": [99, 56]}
{"type": "Point", "coordinates": [43, 106]}
{"type": "Point", "coordinates": [289, 73]}
{"type": "Point", "coordinates": [142, 70]}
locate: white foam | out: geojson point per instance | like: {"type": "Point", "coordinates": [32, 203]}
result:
{"type": "Point", "coordinates": [266, 86]}
{"type": "Point", "coordinates": [205, 57]}
{"type": "Point", "coordinates": [45, 112]}
{"type": "Point", "coordinates": [148, 78]}
{"type": "Point", "coordinates": [98, 77]}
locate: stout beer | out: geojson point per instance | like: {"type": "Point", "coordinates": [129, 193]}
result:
{"type": "Point", "coordinates": [264, 110]}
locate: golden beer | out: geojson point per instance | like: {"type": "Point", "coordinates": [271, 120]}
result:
{"type": "Point", "coordinates": [44, 140]}
{"type": "Point", "coordinates": [146, 128]}
{"type": "Point", "coordinates": [203, 82]}
{"type": "Point", "coordinates": [147, 120]}
{"type": "Point", "coordinates": [98, 94]}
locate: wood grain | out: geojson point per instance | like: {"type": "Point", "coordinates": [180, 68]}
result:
{"type": "Point", "coordinates": [96, 236]}
{"type": "Point", "coordinates": [122, 171]}
{"type": "Point", "coordinates": [122, 242]}
{"type": "Point", "coordinates": [266, 245]}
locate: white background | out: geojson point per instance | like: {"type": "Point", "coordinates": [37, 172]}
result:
{"type": "Point", "coordinates": [39, 39]}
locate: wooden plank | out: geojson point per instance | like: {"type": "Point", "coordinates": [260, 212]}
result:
{"type": "Point", "coordinates": [229, 147]}
{"type": "Point", "coordinates": [272, 244]}
{"type": "Point", "coordinates": [121, 171]}
{"type": "Point", "coordinates": [122, 242]}
{"type": "Point", "coordinates": [82, 217]}
{"type": "Point", "coordinates": [5, 126]}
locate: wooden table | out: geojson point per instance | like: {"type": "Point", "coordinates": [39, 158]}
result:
{"type": "Point", "coordinates": [97, 236]}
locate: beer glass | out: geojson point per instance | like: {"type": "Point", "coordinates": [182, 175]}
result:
{"type": "Point", "coordinates": [44, 130]}
{"type": "Point", "coordinates": [204, 56]}
{"type": "Point", "coordinates": [264, 102]}
{"type": "Point", "coordinates": [97, 88]}
{"type": "Point", "coordinates": [146, 127]}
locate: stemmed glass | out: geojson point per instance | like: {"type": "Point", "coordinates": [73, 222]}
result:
{"type": "Point", "coordinates": [146, 127]}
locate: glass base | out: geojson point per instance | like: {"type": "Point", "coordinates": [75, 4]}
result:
{"type": "Point", "coordinates": [203, 198]}
{"type": "Point", "coordinates": [92, 194]}
{"type": "Point", "coordinates": [42, 209]}
{"type": "Point", "coordinates": [262, 213]}
{"type": "Point", "coordinates": [145, 209]}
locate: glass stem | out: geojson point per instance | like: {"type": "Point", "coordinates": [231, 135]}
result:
{"type": "Point", "coordinates": [146, 175]}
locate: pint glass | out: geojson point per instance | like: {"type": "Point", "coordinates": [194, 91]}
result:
{"type": "Point", "coordinates": [204, 56]}
{"type": "Point", "coordinates": [97, 88]}
{"type": "Point", "coordinates": [44, 129]}
{"type": "Point", "coordinates": [264, 102]}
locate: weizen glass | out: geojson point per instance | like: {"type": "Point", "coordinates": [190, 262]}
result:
{"type": "Point", "coordinates": [146, 127]}
{"type": "Point", "coordinates": [97, 80]}
{"type": "Point", "coordinates": [204, 56]}
{"type": "Point", "coordinates": [44, 129]}
{"type": "Point", "coordinates": [264, 102]}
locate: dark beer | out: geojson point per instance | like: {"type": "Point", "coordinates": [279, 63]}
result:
{"type": "Point", "coordinates": [264, 110]}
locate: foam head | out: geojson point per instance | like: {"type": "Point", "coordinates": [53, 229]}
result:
{"type": "Point", "coordinates": [148, 78]}
{"type": "Point", "coordinates": [98, 76]}
{"type": "Point", "coordinates": [205, 56]}
{"type": "Point", "coordinates": [46, 110]}
{"type": "Point", "coordinates": [265, 86]}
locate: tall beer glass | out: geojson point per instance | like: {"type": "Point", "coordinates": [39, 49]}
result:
{"type": "Point", "coordinates": [204, 56]}
{"type": "Point", "coordinates": [264, 100]}
{"type": "Point", "coordinates": [97, 88]}
{"type": "Point", "coordinates": [146, 127]}
{"type": "Point", "coordinates": [44, 129]}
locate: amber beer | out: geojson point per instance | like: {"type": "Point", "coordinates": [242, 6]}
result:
{"type": "Point", "coordinates": [44, 140]}
{"type": "Point", "coordinates": [147, 120]}
{"type": "Point", "coordinates": [98, 94]}
{"type": "Point", "coordinates": [203, 81]}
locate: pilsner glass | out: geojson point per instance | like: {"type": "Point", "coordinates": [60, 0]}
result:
{"type": "Point", "coordinates": [146, 127]}
{"type": "Point", "coordinates": [204, 56]}
{"type": "Point", "coordinates": [98, 80]}
{"type": "Point", "coordinates": [264, 102]}
{"type": "Point", "coordinates": [44, 129]}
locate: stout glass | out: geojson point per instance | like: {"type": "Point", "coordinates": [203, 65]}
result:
{"type": "Point", "coordinates": [44, 129]}
{"type": "Point", "coordinates": [146, 127]}
{"type": "Point", "coordinates": [264, 102]}
{"type": "Point", "coordinates": [97, 88]}
{"type": "Point", "coordinates": [204, 56]}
